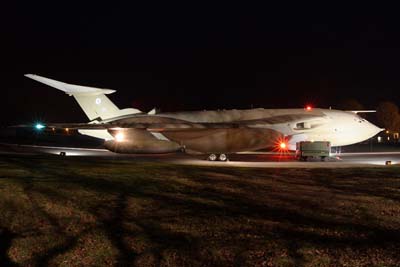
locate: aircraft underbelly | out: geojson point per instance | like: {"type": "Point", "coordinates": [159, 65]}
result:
{"type": "Point", "coordinates": [224, 140]}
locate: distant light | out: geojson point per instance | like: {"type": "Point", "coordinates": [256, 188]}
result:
{"type": "Point", "coordinates": [119, 137]}
{"type": "Point", "coordinates": [282, 145]}
{"type": "Point", "coordinates": [379, 139]}
{"type": "Point", "coordinates": [39, 126]}
{"type": "Point", "coordinates": [67, 130]}
{"type": "Point", "coordinates": [308, 108]}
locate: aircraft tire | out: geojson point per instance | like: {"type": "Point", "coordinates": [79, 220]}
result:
{"type": "Point", "coordinates": [222, 157]}
{"type": "Point", "coordinates": [212, 157]}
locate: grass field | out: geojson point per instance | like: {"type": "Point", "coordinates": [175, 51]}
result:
{"type": "Point", "coordinates": [95, 212]}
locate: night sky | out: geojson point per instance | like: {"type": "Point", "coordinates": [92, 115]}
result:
{"type": "Point", "coordinates": [194, 56]}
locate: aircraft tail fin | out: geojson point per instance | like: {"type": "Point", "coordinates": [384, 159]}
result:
{"type": "Point", "coordinates": [92, 100]}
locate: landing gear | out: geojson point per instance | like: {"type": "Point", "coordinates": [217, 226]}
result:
{"type": "Point", "coordinates": [212, 157]}
{"type": "Point", "coordinates": [222, 157]}
{"type": "Point", "coordinates": [215, 157]}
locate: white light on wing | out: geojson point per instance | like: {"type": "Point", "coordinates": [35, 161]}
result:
{"type": "Point", "coordinates": [119, 137]}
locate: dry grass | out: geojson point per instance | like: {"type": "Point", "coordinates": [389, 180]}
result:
{"type": "Point", "coordinates": [93, 212]}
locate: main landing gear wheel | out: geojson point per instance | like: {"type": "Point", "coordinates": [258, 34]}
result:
{"type": "Point", "coordinates": [222, 157]}
{"type": "Point", "coordinates": [212, 157]}
{"type": "Point", "coordinates": [215, 157]}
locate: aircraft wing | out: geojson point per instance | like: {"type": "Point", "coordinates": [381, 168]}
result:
{"type": "Point", "coordinates": [180, 125]}
{"type": "Point", "coordinates": [137, 125]}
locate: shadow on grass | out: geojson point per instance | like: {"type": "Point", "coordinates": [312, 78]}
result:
{"type": "Point", "coordinates": [6, 237]}
{"type": "Point", "coordinates": [111, 224]}
{"type": "Point", "coordinates": [185, 202]}
{"type": "Point", "coordinates": [361, 182]}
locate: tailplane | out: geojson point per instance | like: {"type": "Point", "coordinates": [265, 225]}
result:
{"type": "Point", "coordinates": [93, 101]}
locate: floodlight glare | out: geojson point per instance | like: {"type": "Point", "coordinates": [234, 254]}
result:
{"type": "Point", "coordinates": [119, 137]}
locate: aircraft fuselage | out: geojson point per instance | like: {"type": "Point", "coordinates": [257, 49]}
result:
{"type": "Point", "coordinates": [341, 128]}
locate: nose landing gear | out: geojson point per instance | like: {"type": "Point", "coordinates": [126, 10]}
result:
{"type": "Point", "coordinates": [219, 157]}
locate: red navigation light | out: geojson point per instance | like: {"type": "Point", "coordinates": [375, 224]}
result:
{"type": "Point", "coordinates": [308, 108]}
{"type": "Point", "coordinates": [281, 145]}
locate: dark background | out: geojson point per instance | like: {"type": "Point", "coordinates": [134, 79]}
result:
{"type": "Point", "coordinates": [196, 56]}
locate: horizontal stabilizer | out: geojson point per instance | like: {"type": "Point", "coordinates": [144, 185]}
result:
{"type": "Point", "coordinates": [362, 111]}
{"type": "Point", "coordinates": [70, 89]}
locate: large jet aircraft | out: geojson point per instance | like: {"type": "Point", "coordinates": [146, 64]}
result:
{"type": "Point", "coordinates": [214, 133]}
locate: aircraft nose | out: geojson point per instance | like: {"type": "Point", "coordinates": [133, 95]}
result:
{"type": "Point", "coordinates": [374, 129]}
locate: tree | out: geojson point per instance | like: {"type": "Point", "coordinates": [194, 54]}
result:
{"type": "Point", "coordinates": [397, 124]}
{"type": "Point", "coordinates": [350, 104]}
{"type": "Point", "coordinates": [388, 116]}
